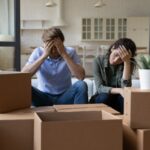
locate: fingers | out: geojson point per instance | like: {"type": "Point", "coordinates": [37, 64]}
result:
{"type": "Point", "coordinates": [49, 44]}
{"type": "Point", "coordinates": [57, 42]}
{"type": "Point", "coordinates": [124, 53]}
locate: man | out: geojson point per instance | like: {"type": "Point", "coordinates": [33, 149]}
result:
{"type": "Point", "coordinates": [54, 65]}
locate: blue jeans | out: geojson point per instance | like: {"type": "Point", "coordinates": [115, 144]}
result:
{"type": "Point", "coordinates": [76, 94]}
{"type": "Point", "coordinates": [115, 101]}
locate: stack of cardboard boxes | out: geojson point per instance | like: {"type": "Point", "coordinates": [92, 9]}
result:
{"type": "Point", "coordinates": [136, 119]}
{"type": "Point", "coordinates": [60, 127]}
{"type": "Point", "coordinates": [82, 127]}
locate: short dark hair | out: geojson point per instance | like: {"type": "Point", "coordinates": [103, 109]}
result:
{"type": "Point", "coordinates": [51, 33]}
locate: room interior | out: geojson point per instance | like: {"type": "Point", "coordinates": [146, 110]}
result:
{"type": "Point", "coordinates": [90, 26]}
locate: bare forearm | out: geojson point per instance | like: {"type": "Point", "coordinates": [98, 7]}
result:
{"type": "Point", "coordinates": [117, 91]}
{"type": "Point", "coordinates": [127, 70]}
{"type": "Point", "coordinates": [32, 68]}
{"type": "Point", "coordinates": [75, 69]}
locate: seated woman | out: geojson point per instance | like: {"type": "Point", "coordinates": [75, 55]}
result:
{"type": "Point", "coordinates": [112, 72]}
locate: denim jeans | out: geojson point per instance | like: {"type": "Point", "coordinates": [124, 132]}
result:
{"type": "Point", "coordinates": [115, 101]}
{"type": "Point", "coordinates": [76, 94]}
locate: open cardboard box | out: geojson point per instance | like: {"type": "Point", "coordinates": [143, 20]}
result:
{"type": "Point", "coordinates": [77, 131]}
{"type": "Point", "coordinates": [16, 128]}
{"type": "Point", "coordinates": [85, 107]}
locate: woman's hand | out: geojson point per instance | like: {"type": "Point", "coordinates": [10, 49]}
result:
{"type": "Point", "coordinates": [124, 54]}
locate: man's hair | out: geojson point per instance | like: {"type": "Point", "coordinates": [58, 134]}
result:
{"type": "Point", "coordinates": [51, 33]}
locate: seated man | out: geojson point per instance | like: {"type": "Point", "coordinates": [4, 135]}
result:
{"type": "Point", "coordinates": [53, 66]}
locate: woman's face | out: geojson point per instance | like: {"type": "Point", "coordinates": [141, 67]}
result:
{"type": "Point", "coordinates": [114, 58]}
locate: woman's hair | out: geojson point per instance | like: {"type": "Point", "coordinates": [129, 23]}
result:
{"type": "Point", "coordinates": [51, 33]}
{"type": "Point", "coordinates": [127, 43]}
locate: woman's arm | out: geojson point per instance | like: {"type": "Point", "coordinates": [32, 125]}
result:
{"type": "Point", "coordinates": [99, 76]}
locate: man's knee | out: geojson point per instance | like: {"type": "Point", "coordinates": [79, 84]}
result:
{"type": "Point", "coordinates": [82, 85]}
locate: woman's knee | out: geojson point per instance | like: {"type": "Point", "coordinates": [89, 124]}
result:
{"type": "Point", "coordinates": [102, 98]}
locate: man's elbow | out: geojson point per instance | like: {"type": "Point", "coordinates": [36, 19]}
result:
{"type": "Point", "coordinates": [81, 76]}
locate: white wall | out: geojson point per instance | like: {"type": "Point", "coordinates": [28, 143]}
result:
{"type": "Point", "coordinates": [74, 10]}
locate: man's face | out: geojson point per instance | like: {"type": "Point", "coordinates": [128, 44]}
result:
{"type": "Point", "coordinates": [54, 53]}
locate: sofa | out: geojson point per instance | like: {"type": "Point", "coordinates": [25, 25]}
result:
{"type": "Point", "coordinates": [91, 84]}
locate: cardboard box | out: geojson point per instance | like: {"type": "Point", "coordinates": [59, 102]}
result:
{"type": "Point", "coordinates": [16, 132]}
{"type": "Point", "coordinates": [32, 110]}
{"type": "Point", "coordinates": [137, 108]}
{"type": "Point", "coordinates": [16, 128]}
{"type": "Point", "coordinates": [85, 107]}
{"type": "Point", "coordinates": [129, 136]}
{"type": "Point", "coordinates": [143, 137]}
{"type": "Point", "coordinates": [77, 131]}
{"type": "Point", "coordinates": [15, 91]}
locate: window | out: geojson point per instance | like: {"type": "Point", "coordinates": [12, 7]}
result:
{"type": "Point", "coordinates": [103, 28]}
{"type": "Point", "coordinates": [10, 34]}
{"type": "Point", "coordinates": [122, 27]}
{"type": "Point", "coordinates": [98, 28]}
{"type": "Point", "coordinates": [86, 28]}
{"type": "Point", "coordinates": [110, 29]}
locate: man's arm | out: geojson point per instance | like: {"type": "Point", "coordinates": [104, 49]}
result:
{"type": "Point", "coordinates": [32, 68]}
{"type": "Point", "coordinates": [75, 69]}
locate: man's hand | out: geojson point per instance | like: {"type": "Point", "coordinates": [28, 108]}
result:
{"type": "Point", "coordinates": [60, 47]}
{"type": "Point", "coordinates": [47, 48]}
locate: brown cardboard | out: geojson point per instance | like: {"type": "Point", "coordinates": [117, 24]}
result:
{"type": "Point", "coordinates": [143, 137]}
{"type": "Point", "coordinates": [76, 106]}
{"type": "Point", "coordinates": [16, 132]}
{"type": "Point", "coordinates": [15, 91]}
{"type": "Point", "coordinates": [85, 107]}
{"type": "Point", "coordinates": [77, 131]}
{"type": "Point", "coordinates": [32, 110]}
{"type": "Point", "coordinates": [129, 136]}
{"type": "Point", "coordinates": [137, 108]}
{"type": "Point", "coordinates": [16, 128]}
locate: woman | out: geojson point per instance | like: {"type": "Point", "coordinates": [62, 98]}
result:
{"type": "Point", "coordinates": [112, 72]}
